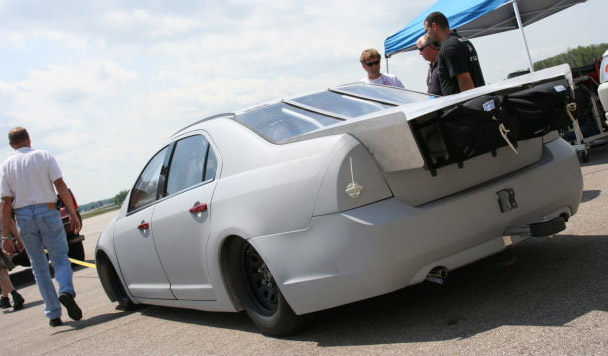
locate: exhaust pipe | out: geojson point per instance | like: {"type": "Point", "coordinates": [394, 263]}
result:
{"type": "Point", "coordinates": [437, 275]}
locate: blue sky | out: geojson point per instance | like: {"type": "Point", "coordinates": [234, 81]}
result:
{"type": "Point", "coordinates": [102, 84]}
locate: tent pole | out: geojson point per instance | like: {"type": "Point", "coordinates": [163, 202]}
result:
{"type": "Point", "coordinates": [386, 64]}
{"type": "Point", "coordinates": [523, 35]}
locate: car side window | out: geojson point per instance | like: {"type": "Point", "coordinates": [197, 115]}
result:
{"type": "Point", "coordinates": [145, 190]}
{"type": "Point", "coordinates": [211, 165]}
{"type": "Point", "coordinates": [187, 166]}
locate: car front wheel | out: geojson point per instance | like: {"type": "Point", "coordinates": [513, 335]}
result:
{"type": "Point", "coordinates": [112, 284]}
{"type": "Point", "coordinates": [124, 302]}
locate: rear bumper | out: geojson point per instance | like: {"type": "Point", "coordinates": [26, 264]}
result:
{"type": "Point", "coordinates": [372, 250]}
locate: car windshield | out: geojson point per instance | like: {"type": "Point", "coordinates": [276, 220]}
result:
{"type": "Point", "coordinates": [297, 116]}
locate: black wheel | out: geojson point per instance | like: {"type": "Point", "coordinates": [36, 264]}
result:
{"type": "Point", "coordinates": [76, 251]}
{"type": "Point", "coordinates": [585, 156]}
{"type": "Point", "coordinates": [111, 283]}
{"type": "Point", "coordinates": [261, 296]}
{"type": "Point", "coordinates": [124, 302]}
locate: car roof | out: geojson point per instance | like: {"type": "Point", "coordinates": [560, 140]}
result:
{"type": "Point", "coordinates": [285, 118]}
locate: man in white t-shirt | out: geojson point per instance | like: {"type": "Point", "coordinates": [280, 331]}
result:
{"type": "Point", "coordinates": [370, 61]}
{"type": "Point", "coordinates": [28, 180]}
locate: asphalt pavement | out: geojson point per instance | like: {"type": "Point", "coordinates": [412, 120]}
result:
{"type": "Point", "coordinates": [545, 296]}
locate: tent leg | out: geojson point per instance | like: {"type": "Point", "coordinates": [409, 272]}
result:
{"type": "Point", "coordinates": [523, 35]}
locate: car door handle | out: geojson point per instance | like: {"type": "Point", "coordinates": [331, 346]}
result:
{"type": "Point", "coordinates": [198, 208]}
{"type": "Point", "coordinates": [143, 226]}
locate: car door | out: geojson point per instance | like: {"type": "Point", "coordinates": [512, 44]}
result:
{"type": "Point", "coordinates": [181, 221]}
{"type": "Point", "coordinates": [133, 241]}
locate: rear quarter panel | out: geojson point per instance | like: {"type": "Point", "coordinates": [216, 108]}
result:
{"type": "Point", "coordinates": [267, 188]}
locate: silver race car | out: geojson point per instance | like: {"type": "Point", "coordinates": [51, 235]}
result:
{"type": "Point", "coordinates": [314, 201]}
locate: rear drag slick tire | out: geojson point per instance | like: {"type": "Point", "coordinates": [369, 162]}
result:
{"type": "Point", "coordinates": [260, 295]}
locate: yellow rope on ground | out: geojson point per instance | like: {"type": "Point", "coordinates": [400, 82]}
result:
{"type": "Point", "coordinates": [85, 264]}
{"type": "Point", "coordinates": [82, 263]}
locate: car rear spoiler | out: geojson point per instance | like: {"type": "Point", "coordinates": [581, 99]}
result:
{"type": "Point", "coordinates": [430, 133]}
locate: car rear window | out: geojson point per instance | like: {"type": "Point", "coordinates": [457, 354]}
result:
{"type": "Point", "coordinates": [297, 116]}
{"type": "Point", "coordinates": [281, 121]}
{"type": "Point", "coordinates": [341, 104]}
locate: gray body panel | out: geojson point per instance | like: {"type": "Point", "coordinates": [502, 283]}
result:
{"type": "Point", "coordinates": [388, 245]}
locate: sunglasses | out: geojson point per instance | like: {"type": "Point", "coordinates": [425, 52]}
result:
{"type": "Point", "coordinates": [371, 64]}
{"type": "Point", "coordinates": [422, 48]}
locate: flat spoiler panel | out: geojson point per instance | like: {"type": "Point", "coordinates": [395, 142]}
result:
{"type": "Point", "coordinates": [415, 110]}
{"type": "Point", "coordinates": [389, 137]}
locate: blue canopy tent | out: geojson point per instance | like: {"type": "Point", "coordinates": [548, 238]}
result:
{"type": "Point", "coordinates": [476, 18]}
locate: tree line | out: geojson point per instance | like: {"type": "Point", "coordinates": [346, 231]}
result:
{"type": "Point", "coordinates": [115, 201]}
{"type": "Point", "coordinates": [575, 57]}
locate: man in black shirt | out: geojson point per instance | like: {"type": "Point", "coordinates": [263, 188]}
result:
{"type": "Point", "coordinates": [458, 64]}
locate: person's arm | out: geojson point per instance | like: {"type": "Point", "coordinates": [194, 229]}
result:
{"type": "Point", "coordinates": [66, 198]}
{"type": "Point", "coordinates": [456, 60]}
{"type": "Point", "coordinates": [465, 82]}
{"type": "Point", "coordinates": [7, 209]}
{"type": "Point", "coordinates": [15, 234]}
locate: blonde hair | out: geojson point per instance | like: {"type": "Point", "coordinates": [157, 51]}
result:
{"type": "Point", "coordinates": [368, 54]}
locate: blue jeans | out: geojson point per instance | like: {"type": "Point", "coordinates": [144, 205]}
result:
{"type": "Point", "coordinates": [40, 227]}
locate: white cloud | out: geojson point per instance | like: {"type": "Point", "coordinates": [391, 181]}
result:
{"type": "Point", "coordinates": [60, 98]}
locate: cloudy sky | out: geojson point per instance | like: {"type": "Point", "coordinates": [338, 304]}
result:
{"type": "Point", "coordinates": [101, 84]}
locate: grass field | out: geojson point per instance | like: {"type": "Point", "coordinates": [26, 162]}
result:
{"type": "Point", "coordinates": [91, 213]}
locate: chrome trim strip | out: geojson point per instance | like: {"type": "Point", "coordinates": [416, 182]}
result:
{"type": "Point", "coordinates": [315, 110]}
{"type": "Point", "coordinates": [361, 96]}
